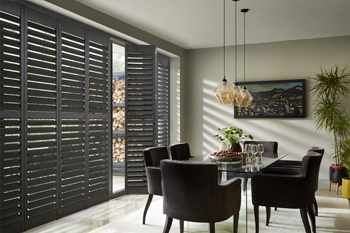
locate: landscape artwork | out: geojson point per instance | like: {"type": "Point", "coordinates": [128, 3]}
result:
{"type": "Point", "coordinates": [275, 99]}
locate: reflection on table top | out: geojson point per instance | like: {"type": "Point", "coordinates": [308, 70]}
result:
{"type": "Point", "coordinates": [267, 159]}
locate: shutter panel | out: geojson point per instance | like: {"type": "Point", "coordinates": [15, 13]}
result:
{"type": "Point", "coordinates": [162, 101]}
{"type": "Point", "coordinates": [41, 120]}
{"type": "Point", "coordinates": [99, 116]}
{"type": "Point", "coordinates": [140, 70]}
{"type": "Point", "coordinates": [11, 169]}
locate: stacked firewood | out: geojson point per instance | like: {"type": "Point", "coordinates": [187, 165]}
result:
{"type": "Point", "coordinates": [118, 149]}
{"type": "Point", "coordinates": [119, 119]}
{"type": "Point", "coordinates": [118, 91]}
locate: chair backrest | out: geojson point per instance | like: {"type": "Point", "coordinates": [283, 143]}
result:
{"type": "Point", "coordinates": [269, 146]}
{"type": "Point", "coordinates": [315, 151]}
{"type": "Point", "coordinates": [310, 168]}
{"type": "Point", "coordinates": [153, 155]}
{"type": "Point", "coordinates": [190, 192]}
{"type": "Point", "coordinates": [180, 151]}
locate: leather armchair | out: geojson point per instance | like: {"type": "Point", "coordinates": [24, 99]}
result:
{"type": "Point", "coordinates": [293, 167]}
{"type": "Point", "coordinates": [152, 157]}
{"type": "Point", "coordinates": [288, 191]}
{"type": "Point", "coordinates": [191, 193]}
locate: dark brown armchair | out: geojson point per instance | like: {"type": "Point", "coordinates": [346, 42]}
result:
{"type": "Point", "coordinates": [293, 167]}
{"type": "Point", "coordinates": [180, 151]}
{"type": "Point", "coordinates": [152, 157]}
{"type": "Point", "coordinates": [191, 193]}
{"type": "Point", "coordinates": [288, 191]}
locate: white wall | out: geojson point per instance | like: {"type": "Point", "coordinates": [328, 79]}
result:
{"type": "Point", "coordinates": [269, 61]}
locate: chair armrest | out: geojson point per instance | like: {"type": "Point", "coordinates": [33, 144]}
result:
{"type": "Point", "coordinates": [154, 179]}
{"type": "Point", "coordinates": [287, 191]}
{"type": "Point", "coordinates": [229, 196]}
{"type": "Point", "coordinates": [293, 163]}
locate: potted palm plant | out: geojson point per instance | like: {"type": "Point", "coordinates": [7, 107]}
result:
{"type": "Point", "coordinates": [233, 136]}
{"type": "Point", "coordinates": [344, 157]}
{"type": "Point", "coordinates": [330, 88]}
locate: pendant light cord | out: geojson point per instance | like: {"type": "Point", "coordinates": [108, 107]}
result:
{"type": "Point", "coordinates": [244, 49]}
{"type": "Point", "coordinates": [224, 43]}
{"type": "Point", "coordinates": [235, 41]}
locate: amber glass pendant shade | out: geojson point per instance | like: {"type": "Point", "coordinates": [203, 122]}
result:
{"type": "Point", "coordinates": [247, 99]}
{"type": "Point", "coordinates": [224, 92]}
{"type": "Point", "coordinates": [239, 95]}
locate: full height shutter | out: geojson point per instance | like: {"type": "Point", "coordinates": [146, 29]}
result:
{"type": "Point", "coordinates": [162, 101]}
{"type": "Point", "coordinates": [99, 118]}
{"type": "Point", "coordinates": [54, 117]}
{"type": "Point", "coordinates": [11, 125]}
{"type": "Point", "coordinates": [73, 122]}
{"type": "Point", "coordinates": [141, 70]}
{"type": "Point", "coordinates": [41, 119]}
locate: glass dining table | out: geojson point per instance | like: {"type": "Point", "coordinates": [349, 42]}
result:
{"type": "Point", "coordinates": [237, 169]}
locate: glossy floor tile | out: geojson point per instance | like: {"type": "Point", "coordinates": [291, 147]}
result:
{"type": "Point", "coordinates": [124, 215]}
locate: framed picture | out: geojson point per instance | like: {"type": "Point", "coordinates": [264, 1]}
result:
{"type": "Point", "coordinates": [275, 99]}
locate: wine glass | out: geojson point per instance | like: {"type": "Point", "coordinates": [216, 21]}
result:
{"type": "Point", "coordinates": [253, 150]}
{"type": "Point", "coordinates": [260, 150]}
{"type": "Point", "coordinates": [247, 150]}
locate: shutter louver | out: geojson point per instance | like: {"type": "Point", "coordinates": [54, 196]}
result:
{"type": "Point", "coordinates": [41, 166]}
{"type": "Point", "coordinates": [73, 73]}
{"type": "Point", "coordinates": [98, 78]}
{"type": "Point", "coordinates": [139, 112]}
{"type": "Point", "coordinates": [73, 161]}
{"type": "Point", "coordinates": [41, 68]}
{"type": "Point", "coordinates": [10, 79]}
{"type": "Point", "coordinates": [98, 156]}
{"type": "Point", "coordinates": [162, 101]}
{"type": "Point", "coordinates": [11, 185]}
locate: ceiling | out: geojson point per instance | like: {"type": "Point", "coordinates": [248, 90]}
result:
{"type": "Point", "coordinates": [193, 24]}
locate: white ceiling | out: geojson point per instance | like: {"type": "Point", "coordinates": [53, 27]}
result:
{"type": "Point", "coordinates": [193, 24]}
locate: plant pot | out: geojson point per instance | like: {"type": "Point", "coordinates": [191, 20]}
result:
{"type": "Point", "coordinates": [337, 166]}
{"type": "Point", "coordinates": [235, 147]}
{"type": "Point", "coordinates": [346, 187]}
{"type": "Point", "coordinates": [336, 174]}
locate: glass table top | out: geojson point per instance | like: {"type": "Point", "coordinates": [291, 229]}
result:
{"type": "Point", "coordinates": [255, 166]}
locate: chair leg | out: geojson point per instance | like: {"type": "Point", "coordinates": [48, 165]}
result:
{"type": "Point", "coordinates": [167, 225]}
{"type": "Point", "coordinates": [330, 183]}
{"type": "Point", "coordinates": [275, 208]}
{"type": "Point", "coordinates": [315, 207]}
{"type": "Point", "coordinates": [245, 181]}
{"type": "Point", "coordinates": [303, 213]}
{"type": "Point", "coordinates": [256, 216]}
{"type": "Point", "coordinates": [212, 227]}
{"type": "Point", "coordinates": [181, 226]}
{"type": "Point", "coordinates": [149, 200]}
{"type": "Point", "coordinates": [235, 222]}
{"type": "Point", "coordinates": [268, 215]}
{"type": "Point", "coordinates": [311, 212]}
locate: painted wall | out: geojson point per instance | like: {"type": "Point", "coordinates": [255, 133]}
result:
{"type": "Point", "coordinates": [269, 61]}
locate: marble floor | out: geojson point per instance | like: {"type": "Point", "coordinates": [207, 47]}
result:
{"type": "Point", "coordinates": [124, 214]}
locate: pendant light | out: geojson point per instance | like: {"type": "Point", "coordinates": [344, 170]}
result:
{"type": "Point", "coordinates": [247, 95]}
{"type": "Point", "coordinates": [224, 92]}
{"type": "Point", "coordinates": [238, 93]}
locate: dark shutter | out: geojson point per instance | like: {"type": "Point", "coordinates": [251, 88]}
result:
{"type": "Point", "coordinates": [141, 69]}
{"type": "Point", "coordinates": [54, 118]}
{"type": "Point", "coordinates": [162, 101]}
{"type": "Point", "coordinates": [11, 125]}
{"type": "Point", "coordinates": [146, 111]}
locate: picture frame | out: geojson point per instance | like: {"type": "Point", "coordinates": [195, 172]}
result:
{"type": "Point", "coordinates": [275, 99]}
